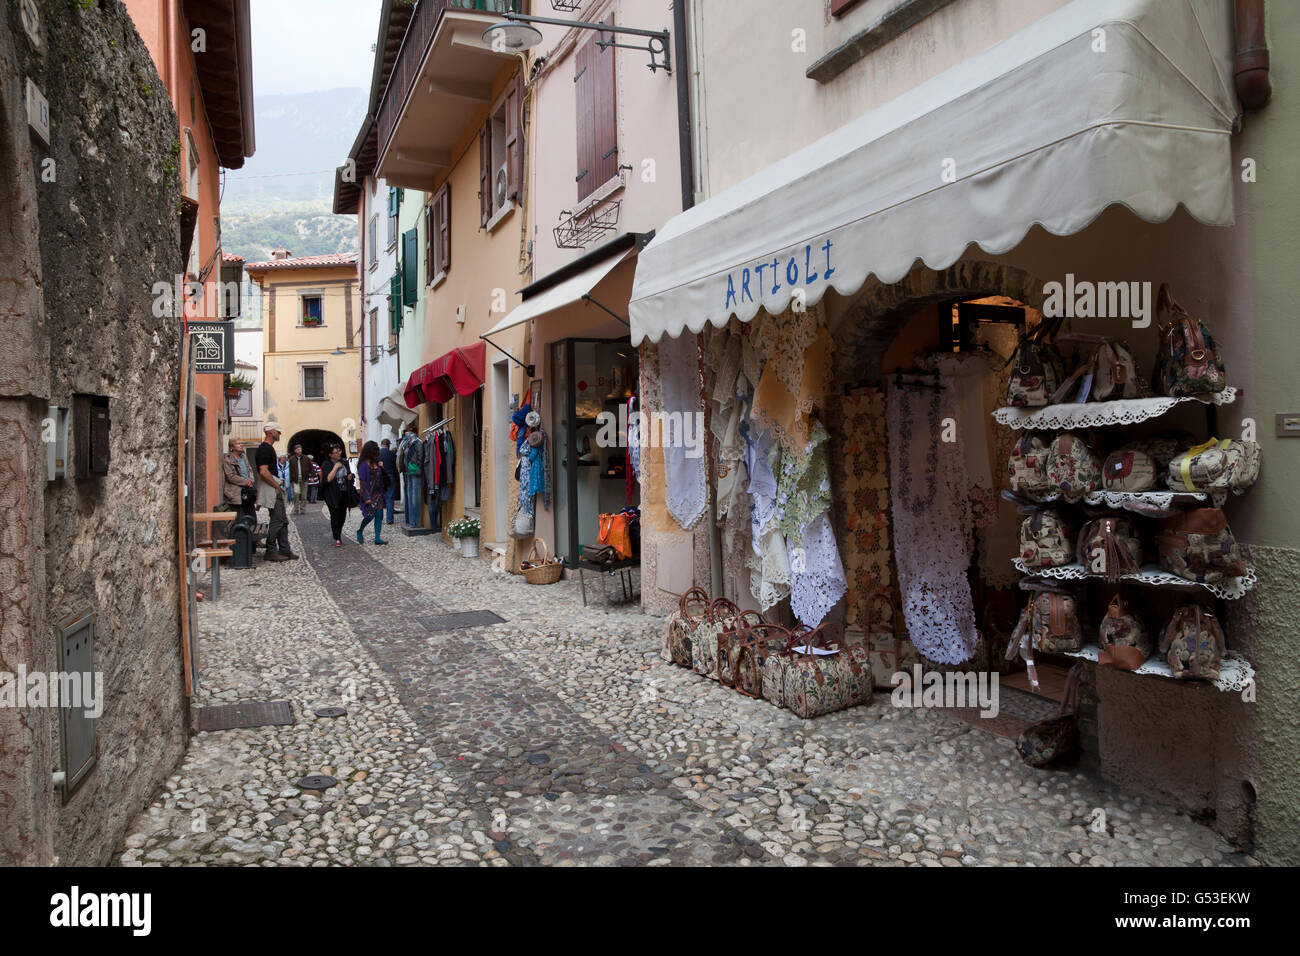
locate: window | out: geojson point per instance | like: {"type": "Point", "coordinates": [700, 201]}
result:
{"type": "Point", "coordinates": [410, 266]}
{"type": "Point", "coordinates": [394, 208]}
{"type": "Point", "coordinates": [437, 231]}
{"type": "Point", "coordinates": [500, 154]}
{"type": "Point", "coordinates": [372, 240]}
{"type": "Point", "coordinates": [311, 382]}
{"type": "Point", "coordinates": [191, 167]}
{"type": "Point", "coordinates": [394, 306]}
{"type": "Point", "coordinates": [312, 304]}
{"type": "Point", "coordinates": [597, 118]}
{"type": "Point", "coordinates": [374, 335]}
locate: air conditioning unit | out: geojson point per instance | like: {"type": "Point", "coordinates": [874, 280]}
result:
{"type": "Point", "coordinates": [501, 185]}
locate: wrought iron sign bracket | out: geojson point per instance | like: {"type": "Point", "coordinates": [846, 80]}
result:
{"type": "Point", "coordinates": [657, 41]}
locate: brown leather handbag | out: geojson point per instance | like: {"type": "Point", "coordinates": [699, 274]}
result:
{"type": "Point", "coordinates": [1197, 545]}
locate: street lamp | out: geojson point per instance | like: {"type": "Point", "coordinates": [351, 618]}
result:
{"type": "Point", "coordinates": [339, 351]}
{"type": "Point", "coordinates": [514, 35]}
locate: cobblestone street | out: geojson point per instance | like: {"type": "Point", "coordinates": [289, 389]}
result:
{"type": "Point", "coordinates": [559, 737]}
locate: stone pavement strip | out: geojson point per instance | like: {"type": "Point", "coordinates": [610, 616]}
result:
{"type": "Point", "coordinates": [558, 737]}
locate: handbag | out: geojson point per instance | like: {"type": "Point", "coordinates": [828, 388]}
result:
{"type": "Point", "coordinates": [1027, 467]}
{"type": "Point", "coordinates": [682, 626]}
{"type": "Point", "coordinates": [729, 640]}
{"type": "Point", "coordinates": [1036, 367]}
{"type": "Point", "coordinates": [1109, 373]}
{"type": "Point", "coordinates": [353, 496]}
{"type": "Point", "coordinates": [1216, 465]}
{"type": "Point", "coordinates": [1056, 738]}
{"type": "Point", "coordinates": [722, 613]}
{"type": "Point", "coordinates": [1045, 540]}
{"type": "Point", "coordinates": [1197, 545]}
{"type": "Point", "coordinates": [1072, 468]}
{"type": "Point", "coordinates": [1188, 363]}
{"type": "Point", "coordinates": [889, 650]}
{"type": "Point", "coordinates": [1122, 638]}
{"type": "Point", "coordinates": [1129, 470]}
{"type": "Point", "coordinates": [615, 533]}
{"type": "Point", "coordinates": [599, 553]}
{"type": "Point", "coordinates": [1109, 545]}
{"type": "Point", "coordinates": [811, 683]}
{"type": "Point", "coordinates": [1193, 643]}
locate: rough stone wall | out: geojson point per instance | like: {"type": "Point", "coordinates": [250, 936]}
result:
{"type": "Point", "coordinates": [107, 227]}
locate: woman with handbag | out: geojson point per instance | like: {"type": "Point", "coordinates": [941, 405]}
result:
{"type": "Point", "coordinates": [370, 474]}
{"type": "Point", "coordinates": [338, 488]}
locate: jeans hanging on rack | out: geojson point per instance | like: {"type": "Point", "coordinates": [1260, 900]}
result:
{"type": "Point", "coordinates": [435, 510]}
{"type": "Point", "coordinates": [412, 494]}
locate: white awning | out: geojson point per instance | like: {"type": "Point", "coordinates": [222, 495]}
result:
{"type": "Point", "coordinates": [392, 410]}
{"type": "Point", "coordinates": [1100, 102]}
{"type": "Point", "coordinates": [559, 295]}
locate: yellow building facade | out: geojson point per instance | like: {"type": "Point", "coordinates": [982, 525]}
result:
{"type": "Point", "coordinates": [311, 365]}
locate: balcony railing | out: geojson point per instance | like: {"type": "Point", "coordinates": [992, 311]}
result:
{"type": "Point", "coordinates": [419, 34]}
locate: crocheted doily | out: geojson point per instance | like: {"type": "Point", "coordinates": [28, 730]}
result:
{"type": "Point", "coordinates": [1235, 672]}
{"type": "Point", "coordinates": [1123, 411]}
{"type": "Point", "coordinates": [1230, 590]}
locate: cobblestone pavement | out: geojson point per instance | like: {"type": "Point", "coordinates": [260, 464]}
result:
{"type": "Point", "coordinates": [558, 736]}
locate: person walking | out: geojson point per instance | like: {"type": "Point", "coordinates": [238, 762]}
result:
{"type": "Point", "coordinates": [388, 459]}
{"type": "Point", "coordinates": [337, 480]}
{"type": "Point", "coordinates": [238, 490]}
{"type": "Point", "coordinates": [270, 495]}
{"type": "Point", "coordinates": [370, 484]}
{"type": "Point", "coordinates": [313, 482]}
{"type": "Point", "coordinates": [299, 473]}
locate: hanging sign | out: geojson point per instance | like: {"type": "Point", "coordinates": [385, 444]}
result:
{"type": "Point", "coordinates": [212, 347]}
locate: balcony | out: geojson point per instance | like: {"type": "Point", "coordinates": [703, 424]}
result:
{"type": "Point", "coordinates": [442, 75]}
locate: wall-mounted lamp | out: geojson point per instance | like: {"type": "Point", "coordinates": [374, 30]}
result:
{"type": "Point", "coordinates": [515, 35]}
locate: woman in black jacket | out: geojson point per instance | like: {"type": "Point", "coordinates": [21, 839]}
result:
{"type": "Point", "coordinates": [336, 481]}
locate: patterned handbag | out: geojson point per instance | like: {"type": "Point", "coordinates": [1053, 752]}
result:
{"type": "Point", "coordinates": [1188, 363]}
{"type": "Point", "coordinates": [1109, 373]}
{"type": "Point", "coordinates": [1054, 622]}
{"type": "Point", "coordinates": [815, 683]}
{"type": "Point", "coordinates": [1045, 540]}
{"type": "Point", "coordinates": [1197, 545]}
{"type": "Point", "coordinates": [1129, 470]}
{"type": "Point", "coordinates": [1122, 639]}
{"type": "Point", "coordinates": [729, 639]}
{"type": "Point", "coordinates": [1110, 546]}
{"type": "Point", "coordinates": [1036, 367]}
{"type": "Point", "coordinates": [1072, 468]}
{"type": "Point", "coordinates": [1056, 738]}
{"type": "Point", "coordinates": [1027, 467]}
{"type": "Point", "coordinates": [1163, 447]}
{"type": "Point", "coordinates": [722, 613]}
{"type": "Point", "coordinates": [692, 608]}
{"type": "Point", "coordinates": [888, 648]}
{"type": "Point", "coordinates": [1193, 643]}
{"type": "Point", "coordinates": [755, 644]}
{"type": "Point", "coordinates": [1216, 465]}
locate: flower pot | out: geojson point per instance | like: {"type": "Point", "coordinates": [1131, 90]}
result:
{"type": "Point", "coordinates": [469, 547]}
{"type": "Point", "coordinates": [232, 392]}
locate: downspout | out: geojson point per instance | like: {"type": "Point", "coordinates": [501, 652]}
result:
{"type": "Point", "coordinates": [1250, 65]}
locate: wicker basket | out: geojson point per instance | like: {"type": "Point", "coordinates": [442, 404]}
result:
{"type": "Point", "coordinates": [543, 570]}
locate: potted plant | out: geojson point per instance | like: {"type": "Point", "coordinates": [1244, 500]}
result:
{"type": "Point", "coordinates": [238, 383]}
{"type": "Point", "coordinates": [465, 531]}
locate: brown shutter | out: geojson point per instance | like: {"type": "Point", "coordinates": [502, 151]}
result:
{"type": "Point", "coordinates": [605, 115]}
{"type": "Point", "coordinates": [485, 173]}
{"type": "Point", "coordinates": [583, 75]}
{"type": "Point", "coordinates": [514, 141]}
{"type": "Point", "coordinates": [429, 231]}
{"type": "Point", "coordinates": [444, 227]}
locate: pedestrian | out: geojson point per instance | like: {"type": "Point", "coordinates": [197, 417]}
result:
{"type": "Point", "coordinates": [238, 489]}
{"type": "Point", "coordinates": [313, 483]}
{"type": "Point", "coordinates": [282, 472]}
{"type": "Point", "coordinates": [370, 484]}
{"type": "Point", "coordinates": [270, 495]}
{"type": "Point", "coordinates": [299, 473]}
{"type": "Point", "coordinates": [388, 459]}
{"type": "Point", "coordinates": [338, 479]}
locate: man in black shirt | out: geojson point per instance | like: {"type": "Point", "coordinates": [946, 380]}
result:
{"type": "Point", "coordinates": [277, 532]}
{"type": "Point", "coordinates": [388, 460]}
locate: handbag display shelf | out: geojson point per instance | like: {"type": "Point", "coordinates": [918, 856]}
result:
{"type": "Point", "coordinates": [1152, 575]}
{"type": "Point", "coordinates": [1120, 411]}
{"type": "Point", "coordinates": [1235, 674]}
{"type": "Point", "coordinates": [1123, 499]}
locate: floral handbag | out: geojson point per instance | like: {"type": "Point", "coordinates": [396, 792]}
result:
{"type": "Point", "coordinates": [722, 613]}
{"type": "Point", "coordinates": [1056, 738]}
{"type": "Point", "coordinates": [1122, 638]}
{"type": "Point", "coordinates": [692, 608]}
{"type": "Point", "coordinates": [1193, 643]}
{"type": "Point", "coordinates": [729, 641]}
{"type": "Point", "coordinates": [1198, 545]}
{"type": "Point", "coordinates": [818, 676]}
{"type": "Point", "coordinates": [889, 650]}
{"type": "Point", "coordinates": [1189, 363]}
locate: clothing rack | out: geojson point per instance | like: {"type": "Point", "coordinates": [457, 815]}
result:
{"type": "Point", "coordinates": [434, 428]}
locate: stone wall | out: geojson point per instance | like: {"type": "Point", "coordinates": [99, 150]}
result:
{"type": "Point", "coordinates": [96, 227]}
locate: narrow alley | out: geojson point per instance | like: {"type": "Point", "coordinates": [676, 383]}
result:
{"type": "Point", "coordinates": [558, 736]}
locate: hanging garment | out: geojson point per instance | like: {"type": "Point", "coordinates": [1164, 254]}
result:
{"type": "Point", "coordinates": [633, 439]}
{"type": "Point", "coordinates": [817, 579]}
{"type": "Point", "coordinates": [768, 560]}
{"type": "Point", "coordinates": [803, 485]}
{"type": "Point", "coordinates": [793, 385]}
{"type": "Point", "coordinates": [448, 459]}
{"type": "Point", "coordinates": [687, 474]}
{"type": "Point", "coordinates": [932, 524]}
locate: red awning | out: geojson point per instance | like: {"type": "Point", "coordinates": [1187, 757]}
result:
{"type": "Point", "coordinates": [460, 371]}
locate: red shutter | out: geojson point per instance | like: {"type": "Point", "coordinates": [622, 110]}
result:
{"type": "Point", "coordinates": [444, 227]}
{"type": "Point", "coordinates": [485, 173]}
{"type": "Point", "coordinates": [583, 77]}
{"type": "Point", "coordinates": [605, 115]}
{"type": "Point", "coordinates": [514, 142]}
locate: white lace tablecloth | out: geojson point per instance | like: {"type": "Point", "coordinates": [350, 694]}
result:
{"type": "Point", "coordinates": [1230, 590]}
{"type": "Point", "coordinates": [1235, 673]}
{"type": "Point", "coordinates": [1122, 411]}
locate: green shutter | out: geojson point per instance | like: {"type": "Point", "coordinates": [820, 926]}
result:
{"type": "Point", "coordinates": [394, 200]}
{"type": "Point", "coordinates": [410, 265]}
{"type": "Point", "coordinates": [395, 304]}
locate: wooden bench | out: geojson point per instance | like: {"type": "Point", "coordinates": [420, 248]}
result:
{"type": "Point", "coordinates": [212, 557]}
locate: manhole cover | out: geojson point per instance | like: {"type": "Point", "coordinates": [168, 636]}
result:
{"type": "Point", "coordinates": [331, 711]}
{"type": "Point", "coordinates": [458, 619]}
{"type": "Point", "coordinates": [249, 713]}
{"type": "Point", "coordinates": [317, 781]}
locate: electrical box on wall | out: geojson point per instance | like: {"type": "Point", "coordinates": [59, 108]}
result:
{"type": "Point", "coordinates": [90, 428]}
{"type": "Point", "coordinates": [54, 433]}
{"type": "Point", "coordinates": [77, 715]}
{"type": "Point", "coordinates": [460, 314]}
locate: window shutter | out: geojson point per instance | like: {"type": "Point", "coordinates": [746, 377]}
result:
{"type": "Point", "coordinates": [429, 270]}
{"type": "Point", "coordinates": [485, 174]}
{"type": "Point", "coordinates": [392, 200]}
{"type": "Point", "coordinates": [514, 142]}
{"type": "Point", "coordinates": [410, 266]}
{"type": "Point", "coordinates": [583, 76]}
{"type": "Point", "coordinates": [604, 114]}
{"type": "Point", "coordinates": [444, 228]}
{"type": "Point", "coordinates": [394, 304]}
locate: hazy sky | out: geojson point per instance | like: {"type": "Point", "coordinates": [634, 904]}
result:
{"type": "Point", "coordinates": [304, 45]}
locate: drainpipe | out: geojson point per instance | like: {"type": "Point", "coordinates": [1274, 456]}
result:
{"type": "Point", "coordinates": [1251, 63]}
{"type": "Point", "coordinates": [685, 148]}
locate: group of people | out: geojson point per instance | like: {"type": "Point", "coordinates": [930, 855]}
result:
{"type": "Point", "coordinates": [273, 481]}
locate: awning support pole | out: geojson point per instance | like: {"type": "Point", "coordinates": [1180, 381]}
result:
{"type": "Point", "coordinates": [586, 297]}
{"type": "Point", "coordinates": [530, 369]}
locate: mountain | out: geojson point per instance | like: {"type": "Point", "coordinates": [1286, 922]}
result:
{"type": "Point", "coordinates": [284, 193]}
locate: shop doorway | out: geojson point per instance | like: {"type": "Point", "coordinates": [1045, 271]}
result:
{"type": "Point", "coordinates": [501, 448]}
